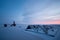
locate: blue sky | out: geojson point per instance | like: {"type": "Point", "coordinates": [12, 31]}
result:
{"type": "Point", "coordinates": [29, 11]}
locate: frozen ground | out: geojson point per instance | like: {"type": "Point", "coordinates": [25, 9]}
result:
{"type": "Point", "coordinates": [19, 33]}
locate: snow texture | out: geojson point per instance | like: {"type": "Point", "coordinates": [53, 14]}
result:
{"type": "Point", "coordinates": [19, 32]}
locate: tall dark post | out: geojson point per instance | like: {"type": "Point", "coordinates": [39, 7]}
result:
{"type": "Point", "coordinates": [14, 23]}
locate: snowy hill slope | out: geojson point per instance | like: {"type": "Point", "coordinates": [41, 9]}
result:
{"type": "Point", "coordinates": [19, 33]}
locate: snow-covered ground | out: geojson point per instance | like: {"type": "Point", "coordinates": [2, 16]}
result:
{"type": "Point", "coordinates": [19, 33]}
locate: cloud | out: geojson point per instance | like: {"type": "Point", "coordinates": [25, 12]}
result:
{"type": "Point", "coordinates": [31, 11]}
{"type": "Point", "coordinates": [44, 11]}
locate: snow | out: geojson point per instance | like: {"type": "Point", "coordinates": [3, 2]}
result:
{"type": "Point", "coordinates": [19, 33]}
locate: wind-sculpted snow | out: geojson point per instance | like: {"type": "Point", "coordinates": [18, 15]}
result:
{"type": "Point", "coordinates": [19, 32]}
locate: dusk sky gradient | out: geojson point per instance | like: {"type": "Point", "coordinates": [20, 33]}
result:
{"type": "Point", "coordinates": [30, 11]}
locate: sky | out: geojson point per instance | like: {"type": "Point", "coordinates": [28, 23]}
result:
{"type": "Point", "coordinates": [30, 11]}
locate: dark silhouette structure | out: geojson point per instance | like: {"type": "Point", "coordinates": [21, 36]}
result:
{"type": "Point", "coordinates": [28, 27]}
{"type": "Point", "coordinates": [13, 24]}
{"type": "Point", "coordinates": [5, 25]}
{"type": "Point", "coordinates": [35, 27]}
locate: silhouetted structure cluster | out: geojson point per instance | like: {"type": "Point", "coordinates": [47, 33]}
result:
{"type": "Point", "coordinates": [13, 24]}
